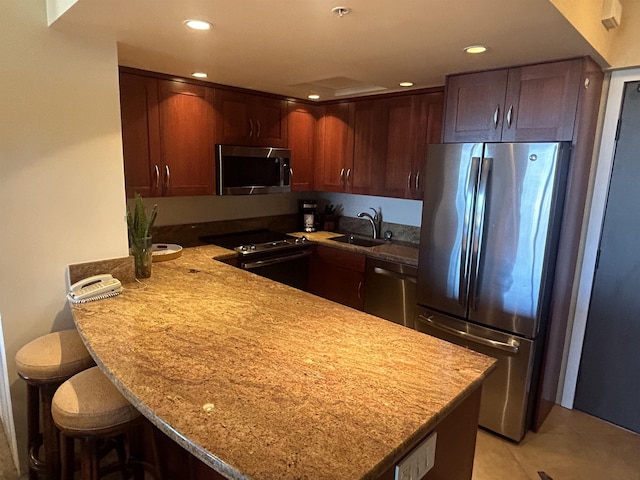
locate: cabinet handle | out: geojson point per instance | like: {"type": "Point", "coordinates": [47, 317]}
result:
{"type": "Point", "coordinates": [418, 180]}
{"type": "Point", "coordinates": [259, 128]}
{"type": "Point", "coordinates": [250, 128]}
{"type": "Point", "coordinates": [167, 176]}
{"type": "Point", "coordinates": [342, 176]}
{"type": "Point", "coordinates": [360, 290]}
{"type": "Point", "coordinates": [409, 181]}
{"type": "Point", "coordinates": [348, 175]}
{"type": "Point", "coordinates": [509, 116]}
{"type": "Point", "coordinates": [496, 116]}
{"type": "Point", "coordinates": [157, 172]}
{"type": "Point", "coordinates": [291, 174]}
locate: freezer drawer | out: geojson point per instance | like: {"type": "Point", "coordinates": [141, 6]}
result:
{"type": "Point", "coordinates": [505, 392]}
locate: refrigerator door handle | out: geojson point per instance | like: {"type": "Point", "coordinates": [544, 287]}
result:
{"type": "Point", "coordinates": [478, 230]}
{"type": "Point", "coordinates": [513, 347]}
{"type": "Point", "coordinates": [466, 231]}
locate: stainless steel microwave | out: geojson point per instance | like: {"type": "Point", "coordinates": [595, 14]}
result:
{"type": "Point", "coordinates": [252, 170]}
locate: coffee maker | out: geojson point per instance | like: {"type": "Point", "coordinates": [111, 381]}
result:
{"type": "Point", "coordinates": [308, 210]}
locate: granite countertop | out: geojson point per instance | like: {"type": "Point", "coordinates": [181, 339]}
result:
{"type": "Point", "coordinates": [262, 381]}
{"type": "Point", "coordinates": [393, 251]}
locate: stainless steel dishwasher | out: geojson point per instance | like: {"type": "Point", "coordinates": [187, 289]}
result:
{"type": "Point", "coordinates": [390, 291]}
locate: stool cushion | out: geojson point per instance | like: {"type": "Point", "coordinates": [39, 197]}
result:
{"type": "Point", "coordinates": [88, 402]}
{"type": "Point", "coordinates": [55, 356]}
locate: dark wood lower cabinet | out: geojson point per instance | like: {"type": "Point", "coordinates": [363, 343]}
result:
{"type": "Point", "coordinates": [337, 275]}
{"type": "Point", "coordinates": [455, 449]}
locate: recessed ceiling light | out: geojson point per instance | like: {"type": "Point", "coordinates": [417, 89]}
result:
{"type": "Point", "coordinates": [197, 24]}
{"type": "Point", "coordinates": [475, 49]}
{"type": "Point", "coordinates": [313, 96]}
{"type": "Point", "coordinates": [406, 84]}
{"type": "Point", "coordinates": [199, 75]}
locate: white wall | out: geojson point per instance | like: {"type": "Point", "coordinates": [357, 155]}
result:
{"type": "Point", "coordinates": [61, 174]}
{"type": "Point", "coordinates": [596, 217]}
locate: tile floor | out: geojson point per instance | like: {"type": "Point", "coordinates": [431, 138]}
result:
{"type": "Point", "coordinates": [570, 446]}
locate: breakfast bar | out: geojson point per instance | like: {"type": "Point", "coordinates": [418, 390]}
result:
{"type": "Point", "coordinates": [262, 381]}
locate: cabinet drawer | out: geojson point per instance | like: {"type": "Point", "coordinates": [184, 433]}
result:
{"type": "Point", "coordinates": [341, 258]}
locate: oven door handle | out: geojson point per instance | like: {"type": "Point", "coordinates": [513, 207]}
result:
{"type": "Point", "coordinates": [273, 261]}
{"type": "Point", "coordinates": [512, 348]}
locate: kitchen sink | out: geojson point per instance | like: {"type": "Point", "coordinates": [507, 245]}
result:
{"type": "Point", "coordinates": [360, 241]}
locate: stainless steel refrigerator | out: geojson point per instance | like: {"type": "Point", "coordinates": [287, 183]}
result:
{"type": "Point", "coordinates": [490, 223]}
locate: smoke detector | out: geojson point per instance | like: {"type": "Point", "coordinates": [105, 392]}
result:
{"type": "Point", "coordinates": [341, 11]}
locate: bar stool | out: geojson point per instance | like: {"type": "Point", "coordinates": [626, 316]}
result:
{"type": "Point", "coordinates": [44, 363]}
{"type": "Point", "coordinates": [88, 407]}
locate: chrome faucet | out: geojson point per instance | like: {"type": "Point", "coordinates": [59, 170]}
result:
{"type": "Point", "coordinates": [375, 220]}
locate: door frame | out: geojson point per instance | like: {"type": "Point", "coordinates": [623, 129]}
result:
{"type": "Point", "coordinates": [591, 240]}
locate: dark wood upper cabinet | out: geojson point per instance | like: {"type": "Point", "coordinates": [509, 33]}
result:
{"type": "Point", "coordinates": [246, 119]}
{"type": "Point", "coordinates": [371, 120]}
{"type": "Point", "coordinates": [541, 102]}
{"type": "Point", "coordinates": [523, 104]}
{"type": "Point", "coordinates": [186, 138]}
{"type": "Point", "coordinates": [167, 137]}
{"type": "Point", "coordinates": [302, 124]}
{"type": "Point", "coordinates": [140, 135]}
{"type": "Point", "coordinates": [414, 121]}
{"type": "Point", "coordinates": [334, 160]}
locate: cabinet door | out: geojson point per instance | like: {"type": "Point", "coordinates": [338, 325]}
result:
{"type": "Point", "coordinates": [335, 153]}
{"type": "Point", "coordinates": [301, 123]}
{"type": "Point", "coordinates": [429, 131]}
{"type": "Point", "coordinates": [371, 119]}
{"type": "Point", "coordinates": [541, 102]}
{"type": "Point", "coordinates": [187, 138]}
{"type": "Point", "coordinates": [338, 275]}
{"type": "Point", "coordinates": [475, 106]}
{"type": "Point", "coordinates": [402, 138]}
{"type": "Point", "coordinates": [234, 123]}
{"type": "Point", "coordinates": [269, 116]}
{"type": "Point", "coordinates": [140, 135]}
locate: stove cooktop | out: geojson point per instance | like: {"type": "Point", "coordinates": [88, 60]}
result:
{"type": "Point", "coordinates": [255, 241]}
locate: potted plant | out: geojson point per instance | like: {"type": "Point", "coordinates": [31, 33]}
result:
{"type": "Point", "coordinates": [139, 228]}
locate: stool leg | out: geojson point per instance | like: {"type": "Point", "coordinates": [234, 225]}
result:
{"type": "Point", "coordinates": [67, 456]}
{"type": "Point", "coordinates": [89, 461]}
{"type": "Point", "coordinates": [50, 433]}
{"type": "Point", "coordinates": [33, 430]}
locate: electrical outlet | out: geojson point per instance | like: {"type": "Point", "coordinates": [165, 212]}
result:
{"type": "Point", "coordinates": [419, 461]}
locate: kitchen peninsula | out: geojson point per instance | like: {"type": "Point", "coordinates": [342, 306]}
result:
{"type": "Point", "coordinates": [262, 381]}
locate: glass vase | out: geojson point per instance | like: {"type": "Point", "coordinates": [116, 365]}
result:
{"type": "Point", "coordinates": [141, 251]}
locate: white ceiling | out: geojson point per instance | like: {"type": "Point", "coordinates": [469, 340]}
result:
{"type": "Point", "coordinates": [288, 47]}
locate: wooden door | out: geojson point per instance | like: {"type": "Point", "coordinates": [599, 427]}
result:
{"type": "Point", "coordinates": [335, 152]}
{"type": "Point", "coordinates": [140, 135]}
{"type": "Point", "coordinates": [233, 118]}
{"type": "Point", "coordinates": [269, 116]}
{"type": "Point", "coordinates": [475, 107]}
{"type": "Point", "coordinates": [301, 123]}
{"type": "Point", "coordinates": [371, 119]}
{"type": "Point", "coordinates": [608, 385]}
{"type": "Point", "coordinates": [541, 102]}
{"type": "Point", "coordinates": [429, 125]}
{"type": "Point", "coordinates": [338, 275]}
{"type": "Point", "coordinates": [402, 136]}
{"type": "Point", "coordinates": [187, 138]}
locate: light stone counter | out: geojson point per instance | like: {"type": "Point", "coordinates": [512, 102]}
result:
{"type": "Point", "coordinates": [262, 381]}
